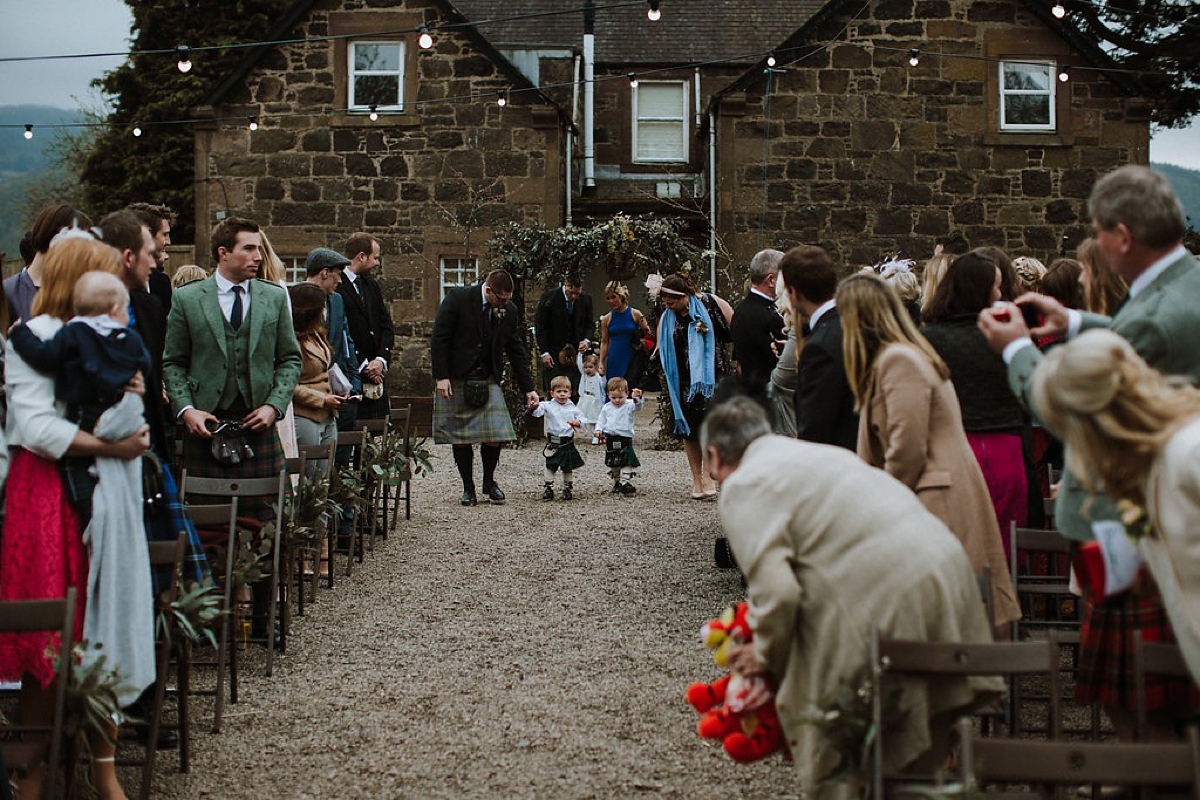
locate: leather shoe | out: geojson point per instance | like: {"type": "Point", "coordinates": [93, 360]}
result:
{"type": "Point", "coordinates": [494, 494]}
{"type": "Point", "coordinates": [468, 498]}
{"type": "Point", "coordinates": [167, 739]}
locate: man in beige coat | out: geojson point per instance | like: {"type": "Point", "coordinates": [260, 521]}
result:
{"type": "Point", "coordinates": [833, 548]}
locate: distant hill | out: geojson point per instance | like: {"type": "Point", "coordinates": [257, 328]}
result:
{"type": "Point", "coordinates": [1187, 186]}
{"type": "Point", "coordinates": [23, 161]}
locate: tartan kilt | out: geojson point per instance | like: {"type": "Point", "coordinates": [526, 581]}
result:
{"type": "Point", "coordinates": [197, 460]}
{"type": "Point", "coordinates": [166, 526]}
{"type": "Point", "coordinates": [628, 458]}
{"type": "Point", "coordinates": [1105, 671]}
{"type": "Point", "coordinates": [564, 456]}
{"type": "Point", "coordinates": [455, 423]}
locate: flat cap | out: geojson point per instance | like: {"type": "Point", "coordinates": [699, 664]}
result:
{"type": "Point", "coordinates": [324, 258]}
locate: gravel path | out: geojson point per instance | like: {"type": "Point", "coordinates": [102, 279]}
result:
{"type": "Point", "coordinates": [525, 650]}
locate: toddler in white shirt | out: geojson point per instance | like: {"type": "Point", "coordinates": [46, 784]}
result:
{"type": "Point", "coordinates": [615, 429]}
{"type": "Point", "coordinates": [562, 420]}
{"type": "Point", "coordinates": [591, 389]}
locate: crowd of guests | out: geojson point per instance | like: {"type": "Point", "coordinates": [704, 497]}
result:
{"type": "Point", "coordinates": [101, 379]}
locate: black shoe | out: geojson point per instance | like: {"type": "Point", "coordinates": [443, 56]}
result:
{"type": "Point", "coordinates": [628, 488]}
{"type": "Point", "coordinates": [567, 493]}
{"type": "Point", "coordinates": [494, 494]}
{"type": "Point", "coordinates": [468, 498]}
{"type": "Point", "coordinates": [548, 493]}
{"type": "Point", "coordinates": [616, 487]}
{"type": "Point", "coordinates": [167, 739]}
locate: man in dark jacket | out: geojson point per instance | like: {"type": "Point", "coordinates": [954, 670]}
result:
{"type": "Point", "coordinates": [369, 321]}
{"type": "Point", "coordinates": [564, 317]}
{"type": "Point", "coordinates": [757, 327]}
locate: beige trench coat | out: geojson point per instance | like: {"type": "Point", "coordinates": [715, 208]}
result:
{"type": "Point", "coordinates": [911, 426]}
{"type": "Point", "coordinates": [832, 548]}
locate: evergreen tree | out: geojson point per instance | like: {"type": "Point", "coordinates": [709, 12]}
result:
{"type": "Point", "coordinates": [157, 167]}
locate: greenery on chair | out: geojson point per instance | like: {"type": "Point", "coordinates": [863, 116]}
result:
{"type": "Point", "coordinates": [92, 688]}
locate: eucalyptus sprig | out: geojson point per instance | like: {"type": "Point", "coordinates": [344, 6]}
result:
{"type": "Point", "coordinates": [196, 613]}
{"type": "Point", "coordinates": [92, 689]}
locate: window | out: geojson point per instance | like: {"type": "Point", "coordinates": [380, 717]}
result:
{"type": "Point", "coordinates": [458, 271]}
{"type": "Point", "coordinates": [1027, 101]}
{"type": "Point", "coordinates": [660, 121]}
{"type": "Point", "coordinates": [376, 72]}
{"type": "Point", "coordinates": [293, 269]}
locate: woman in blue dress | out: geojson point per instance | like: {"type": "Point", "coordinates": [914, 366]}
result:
{"type": "Point", "coordinates": [622, 331]}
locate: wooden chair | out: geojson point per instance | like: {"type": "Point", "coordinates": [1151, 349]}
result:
{"type": "Point", "coordinates": [318, 454]}
{"type": "Point", "coordinates": [24, 747]}
{"type": "Point", "coordinates": [355, 441]}
{"type": "Point", "coordinates": [1043, 585]}
{"type": "Point", "coordinates": [936, 660]}
{"type": "Point", "coordinates": [272, 489]}
{"type": "Point", "coordinates": [1055, 764]}
{"type": "Point", "coordinates": [168, 641]}
{"type": "Point", "coordinates": [376, 521]}
{"type": "Point", "coordinates": [400, 418]}
{"type": "Point", "coordinates": [1153, 658]}
{"type": "Point", "coordinates": [221, 518]}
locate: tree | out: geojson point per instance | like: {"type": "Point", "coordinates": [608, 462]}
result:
{"type": "Point", "coordinates": [1155, 38]}
{"type": "Point", "coordinates": [149, 90]}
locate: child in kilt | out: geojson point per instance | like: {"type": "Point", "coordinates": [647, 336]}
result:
{"type": "Point", "coordinates": [562, 420]}
{"type": "Point", "coordinates": [615, 429]}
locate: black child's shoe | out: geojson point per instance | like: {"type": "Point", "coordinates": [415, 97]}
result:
{"type": "Point", "coordinates": [548, 493]}
{"type": "Point", "coordinates": [567, 493]}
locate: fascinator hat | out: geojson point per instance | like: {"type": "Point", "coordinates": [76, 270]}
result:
{"type": "Point", "coordinates": [654, 286]}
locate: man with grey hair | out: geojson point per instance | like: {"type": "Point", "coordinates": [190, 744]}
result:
{"type": "Point", "coordinates": [831, 549]}
{"type": "Point", "coordinates": [1138, 224]}
{"type": "Point", "coordinates": [757, 327]}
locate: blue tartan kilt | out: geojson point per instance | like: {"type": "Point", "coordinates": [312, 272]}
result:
{"type": "Point", "coordinates": [455, 423]}
{"type": "Point", "coordinates": [562, 456]}
{"type": "Point", "coordinates": [165, 526]}
{"type": "Point", "coordinates": [268, 462]}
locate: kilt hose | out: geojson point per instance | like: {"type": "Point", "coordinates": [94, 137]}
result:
{"type": "Point", "coordinates": [456, 423]}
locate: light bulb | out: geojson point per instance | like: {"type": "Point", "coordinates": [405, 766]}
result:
{"type": "Point", "coordinates": [254, 123]}
{"type": "Point", "coordinates": [424, 37]}
{"type": "Point", "coordinates": [137, 129]}
{"type": "Point", "coordinates": [633, 81]}
{"type": "Point", "coordinates": [771, 60]}
{"type": "Point", "coordinates": [914, 57]}
{"type": "Point", "coordinates": [1063, 76]}
{"type": "Point", "coordinates": [183, 54]}
{"type": "Point", "coordinates": [1059, 10]}
{"type": "Point", "coordinates": [501, 99]}
{"type": "Point", "coordinates": [28, 131]}
{"type": "Point", "coordinates": [653, 14]}
{"type": "Point", "coordinates": [374, 113]}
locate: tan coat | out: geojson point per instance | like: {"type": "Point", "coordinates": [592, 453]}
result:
{"type": "Point", "coordinates": [309, 395]}
{"type": "Point", "coordinates": [832, 549]}
{"type": "Point", "coordinates": [911, 426]}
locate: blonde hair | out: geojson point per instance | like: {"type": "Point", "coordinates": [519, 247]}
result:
{"type": "Point", "coordinates": [560, 382]}
{"type": "Point", "coordinates": [1030, 271]}
{"type": "Point", "coordinates": [188, 273]}
{"type": "Point", "coordinates": [65, 263]}
{"type": "Point", "coordinates": [273, 269]}
{"type": "Point", "coordinates": [873, 317]}
{"type": "Point", "coordinates": [905, 284]}
{"type": "Point", "coordinates": [591, 358]}
{"type": "Point", "coordinates": [935, 270]}
{"type": "Point", "coordinates": [617, 288]}
{"type": "Point", "coordinates": [98, 293]}
{"type": "Point", "coordinates": [1105, 288]}
{"type": "Point", "coordinates": [1112, 409]}
{"type": "Point", "coordinates": [617, 384]}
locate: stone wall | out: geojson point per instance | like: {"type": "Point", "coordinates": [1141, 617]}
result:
{"type": "Point", "coordinates": [868, 155]}
{"type": "Point", "coordinates": [428, 182]}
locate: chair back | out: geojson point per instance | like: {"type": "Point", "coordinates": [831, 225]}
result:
{"type": "Point", "coordinates": [25, 746]}
{"type": "Point", "coordinates": [374, 427]}
{"type": "Point", "coordinates": [1043, 585]}
{"type": "Point", "coordinates": [1153, 658]}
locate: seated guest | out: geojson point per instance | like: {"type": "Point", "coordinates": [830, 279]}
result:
{"type": "Point", "coordinates": [831, 549]}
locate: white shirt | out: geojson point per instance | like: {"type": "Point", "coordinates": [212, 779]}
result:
{"type": "Point", "coordinates": [349, 275]}
{"type": "Point", "coordinates": [225, 296]}
{"type": "Point", "coordinates": [618, 420]}
{"type": "Point", "coordinates": [557, 416]}
{"type": "Point", "coordinates": [820, 312]}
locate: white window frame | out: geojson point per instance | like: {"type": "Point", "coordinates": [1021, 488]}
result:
{"type": "Point", "coordinates": [459, 267]}
{"type": "Point", "coordinates": [682, 119]}
{"type": "Point", "coordinates": [1049, 93]}
{"type": "Point", "coordinates": [294, 269]}
{"type": "Point", "coordinates": [352, 73]}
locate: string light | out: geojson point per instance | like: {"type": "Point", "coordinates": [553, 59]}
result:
{"type": "Point", "coordinates": [374, 112]}
{"type": "Point", "coordinates": [137, 129]}
{"type": "Point", "coordinates": [254, 123]}
{"type": "Point", "coordinates": [28, 131]}
{"type": "Point", "coordinates": [771, 60]}
{"type": "Point", "coordinates": [914, 57]}
{"type": "Point", "coordinates": [183, 54]}
{"type": "Point", "coordinates": [1059, 10]}
{"type": "Point", "coordinates": [501, 98]}
{"type": "Point", "coordinates": [424, 37]}
{"type": "Point", "coordinates": [633, 81]}
{"type": "Point", "coordinates": [1063, 76]}
{"type": "Point", "coordinates": [653, 14]}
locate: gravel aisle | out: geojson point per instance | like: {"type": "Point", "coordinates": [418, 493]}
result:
{"type": "Point", "coordinates": [525, 650]}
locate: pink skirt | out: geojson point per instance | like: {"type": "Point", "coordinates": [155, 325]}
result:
{"type": "Point", "coordinates": [41, 555]}
{"type": "Point", "coordinates": [1002, 461]}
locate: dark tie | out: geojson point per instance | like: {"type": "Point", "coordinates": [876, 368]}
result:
{"type": "Point", "coordinates": [235, 315]}
{"type": "Point", "coordinates": [805, 331]}
{"type": "Point", "coordinates": [570, 306]}
{"type": "Point", "coordinates": [1122, 304]}
{"type": "Point", "coordinates": [487, 317]}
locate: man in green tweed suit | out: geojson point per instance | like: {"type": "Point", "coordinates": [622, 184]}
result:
{"type": "Point", "coordinates": [1138, 225]}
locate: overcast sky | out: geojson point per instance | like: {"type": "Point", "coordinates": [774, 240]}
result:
{"type": "Point", "coordinates": [57, 27]}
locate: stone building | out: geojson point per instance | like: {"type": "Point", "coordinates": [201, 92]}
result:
{"type": "Point", "coordinates": [846, 145]}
